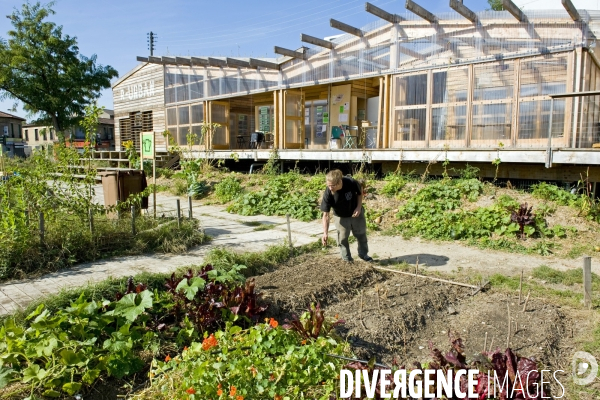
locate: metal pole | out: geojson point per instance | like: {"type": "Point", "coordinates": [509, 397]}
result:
{"type": "Point", "coordinates": [587, 282]}
{"type": "Point", "coordinates": [178, 214]}
{"type": "Point", "coordinates": [549, 151]}
{"type": "Point", "coordinates": [133, 220]}
{"type": "Point", "coordinates": [190, 207]}
{"type": "Point", "coordinates": [42, 227]}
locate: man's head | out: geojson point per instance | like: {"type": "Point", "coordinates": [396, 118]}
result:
{"type": "Point", "coordinates": [334, 180]}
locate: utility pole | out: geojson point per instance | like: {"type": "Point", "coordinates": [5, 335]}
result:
{"type": "Point", "coordinates": [151, 41]}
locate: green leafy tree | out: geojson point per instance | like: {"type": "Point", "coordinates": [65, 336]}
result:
{"type": "Point", "coordinates": [496, 5]}
{"type": "Point", "coordinates": [43, 69]}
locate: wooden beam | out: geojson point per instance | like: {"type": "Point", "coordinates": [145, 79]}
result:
{"type": "Point", "coordinates": [316, 41]}
{"type": "Point", "coordinates": [378, 12]}
{"type": "Point", "coordinates": [345, 28]}
{"type": "Point", "coordinates": [216, 62]}
{"type": "Point", "coordinates": [289, 53]}
{"type": "Point", "coordinates": [199, 61]}
{"type": "Point", "coordinates": [411, 53]}
{"type": "Point", "coordinates": [263, 64]}
{"type": "Point", "coordinates": [183, 61]}
{"type": "Point", "coordinates": [155, 60]}
{"type": "Point", "coordinates": [568, 5]}
{"type": "Point", "coordinates": [168, 60]}
{"type": "Point", "coordinates": [234, 62]}
{"type": "Point", "coordinates": [514, 10]}
{"type": "Point", "coordinates": [460, 8]}
{"type": "Point", "coordinates": [420, 11]}
{"type": "Point", "coordinates": [142, 59]}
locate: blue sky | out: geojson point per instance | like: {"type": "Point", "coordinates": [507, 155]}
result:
{"type": "Point", "coordinates": [116, 30]}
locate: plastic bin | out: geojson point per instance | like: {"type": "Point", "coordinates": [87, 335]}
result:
{"type": "Point", "coordinates": [118, 185]}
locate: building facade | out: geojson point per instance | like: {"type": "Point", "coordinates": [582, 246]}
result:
{"type": "Point", "coordinates": [462, 86]}
{"type": "Point", "coordinates": [11, 135]}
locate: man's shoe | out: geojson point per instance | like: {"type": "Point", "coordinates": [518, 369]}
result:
{"type": "Point", "coordinates": [348, 259]}
{"type": "Point", "coordinates": [367, 258]}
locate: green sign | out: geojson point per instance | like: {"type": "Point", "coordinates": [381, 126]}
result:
{"type": "Point", "coordinates": [148, 145]}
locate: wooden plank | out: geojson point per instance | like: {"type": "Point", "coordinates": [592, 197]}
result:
{"type": "Point", "coordinates": [316, 41]}
{"type": "Point", "coordinates": [155, 60]}
{"type": "Point", "coordinates": [216, 62]}
{"type": "Point", "coordinates": [142, 59]}
{"type": "Point", "coordinates": [183, 61]}
{"type": "Point", "coordinates": [289, 53]}
{"type": "Point", "coordinates": [168, 60]}
{"type": "Point", "coordinates": [420, 11]}
{"type": "Point", "coordinates": [463, 10]}
{"type": "Point", "coordinates": [587, 282]}
{"type": "Point", "coordinates": [235, 63]}
{"type": "Point", "coordinates": [346, 28]}
{"type": "Point", "coordinates": [571, 9]}
{"type": "Point", "coordinates": [378, 12]}
{"type": "Point", "coordinates": [263, 64]}
{"type": "Point", "coordinates": [514, 10]}
{"type": "Point", "coordinates": [199, 61]}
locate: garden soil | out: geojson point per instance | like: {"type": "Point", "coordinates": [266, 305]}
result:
{"type": "Point", "coordinates": [396, 318]}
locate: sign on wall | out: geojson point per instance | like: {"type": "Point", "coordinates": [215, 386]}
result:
{"type": "Point", "coordinates": [138, 91]}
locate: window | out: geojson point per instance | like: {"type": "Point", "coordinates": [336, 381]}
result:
{"type": "Point", "coordinates": [26, 135]}
{"type": "Point", "coordinates": [36, 135]}
{"type": "Point", "coordinates": [51, 134]}
{"type": "Point", "coordinates": [12, 130]}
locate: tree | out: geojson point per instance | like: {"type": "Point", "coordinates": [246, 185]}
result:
{"type": "Point", "coordinates": [44, 70]}
{"type": "Point", "coordinates": [496, 5]}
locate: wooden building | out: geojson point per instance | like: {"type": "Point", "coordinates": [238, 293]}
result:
{"type": "Point", "coordinates": [519, 87]}
{"type": "Point", "coordinates": [11, 136]}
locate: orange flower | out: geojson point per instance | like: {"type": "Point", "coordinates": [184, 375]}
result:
{"type": "Point", "coordinates": [185, 348]}
{"type": "Point", "coordinates": [232, 391]}
{"type": "Point", "coordinates": [254, 371]}
{"type": "Point", "coordinates": [271, 377]}
{"type": "Point", "coordinates": [219, 392]}
{"type": "Point", "coordinates": [239, 398]}
{"type": "Point", "coordinates": [303, 342]}
{"type": "Point", "coordinates": [191, 391]}
{"type": "Point", "coordinates": [167, 358]}
{"type": "Point", "coordinates": [278, 397]}
{"type": "Point", "coordinates": [209, 342]}
{"type": "Point", "coordinates": [273, 322]}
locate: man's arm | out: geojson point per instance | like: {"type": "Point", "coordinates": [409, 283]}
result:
{"type": "Point", "coordinates": [325, 228]}
{"type": "Point", "coordinates": [359, 200]}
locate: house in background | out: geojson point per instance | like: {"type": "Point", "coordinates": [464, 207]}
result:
{"type": "Point", "coordinates": [39, 135]}
{"type": "Point", "coordinates": [11, 138]}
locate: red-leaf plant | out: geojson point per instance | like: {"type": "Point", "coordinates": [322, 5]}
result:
{"type": "Point", "coordinates": [131, 288]}
{"type": "Point", "coordinates": [210, 304]}
{"type": "Point", "coordinates": [312, 323]}
{"type": "Point", "coordinates": [525, 387]}
{"type": "Point", "coordinates": [523, 217]}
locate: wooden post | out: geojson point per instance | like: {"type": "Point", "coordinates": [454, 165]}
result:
{"type": "Point", "coordinates": [190, 207]}
{"type": "Point", "coordinates": [178, 214]}
{"type": "Point", "coordinates": [42, 227]}
{"type": "Point", "coordinates": [91, 217]}
{"type": "Point", "coordinates": [289, 235]}
{"type": "Point", "coordinates": [118, 210]}
{"type": "Point", "coordinates": [133, 220]}
{"type": "Point", "coordinates": [154, 183]}
{"type": "Point", "coordinates": [587, 282]}
{"type": "Point", "coordinates": [509, 323]}
{"type": "Point", "coordinates": [520, 286]}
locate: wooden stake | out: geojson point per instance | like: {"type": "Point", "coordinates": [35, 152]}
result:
{"type": "Point", "coordinates": [178, 214]}
{"type": "Point", "coordinates": [42, 227]}
{"type": "Point", "coordinates": [190, 207]}
{"type": "Point", "coordinates": [526, 300]}
{"type": "Point", "coordinates": [428, 277]}
{"type": "Point", "coordinates": [378, 301]}
{"type": "Point", "coordinates": [485, 342]}
{"type": "Point", "coordinates": [520, 286]}
{"type": "Point", "coordinates": [287, 216]}
{"type": "Point", "coordinates": [509, 325]}
{"type": "Point", "coordinates": [492, 344]}
{"type": "Point", "coordinates": [416, 270]}
{"type": "Point", "coordinates": [133, 220]}
{"type": "Point", "coordinates": [587, 282]}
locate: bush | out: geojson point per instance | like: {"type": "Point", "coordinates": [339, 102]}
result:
{"type": "Point", "coordinates": [228, 189]}
{"type": "Point", "coordinates": [394, 183]}
{"type": "Point", "coordinates": [553, 193]}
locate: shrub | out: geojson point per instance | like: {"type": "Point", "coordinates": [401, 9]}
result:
{"type": "Point", "coordinates": [394, 183]}
{"type": "Point", "coordinates": [228, 189]}
{"type": "Point", "coordinates": [553, 193]}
